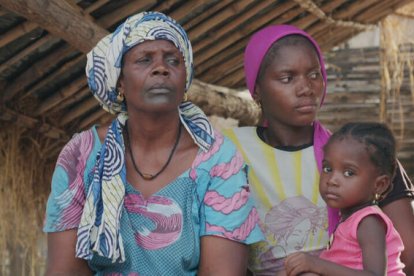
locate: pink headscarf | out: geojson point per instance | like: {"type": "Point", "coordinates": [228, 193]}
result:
{"type": "Point", "coordinates": [255, 51]}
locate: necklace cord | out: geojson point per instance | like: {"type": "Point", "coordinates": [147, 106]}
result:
{"type": "Point", "coordinates": [148, 176]}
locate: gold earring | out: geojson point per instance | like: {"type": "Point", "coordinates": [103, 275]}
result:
{"type": "Point", "coordinates": [185, 97]}
{"type": "Point", "coordinates": [377, 198]}
{"type": "Point", "coordinates": [120, 97]}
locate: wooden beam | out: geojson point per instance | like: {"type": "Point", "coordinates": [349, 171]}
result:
{"type": "Point", "coordinates": [219, 5]}
{"type": "Point", "coordinates": [35, 72]}
{"type": "Point", "coordinates": [79, 110]}
{"type": "Point", "coordinates": [226, 68]}
{"type": "Point", "coordinates": [356, 7]}
{"type": "Point", "coordinates": [236, 49]}
{"type": "Point", "coordinates": [187, 8]}
{"type": "Point", "coordinates": [207, 71]}
{"type": "Point", "coordinates": [56, 74]}
{"type": "Point", "coordinates": [96, 6]}
{"type": "Point", "coordinates": [213, 37]}
{"type": "Point", "coordinates": [223, 102]}
{"type": "Point", "coordinates": [26, 51]}
{"type": "Point", "coordinates": [77, 97]}
{"type": "Point", "coordinates": [208, 24]}
{"type": "Point", "coordinates": [67, 91]}
{"type": "Point", "coordinates": [61, 19]}
{"type": "Point", "coordinates": [3, 11]}
{"type": "Point", "coordinates": [238, 32]}
{"type": "Point", "coordinates": [380, 10]}
{"type": "Point", "coordinates": [233, 79]}
{"type": "Point", "coordinates": [165, 5]}
{"type": "Point", "coordinates": [126, 10]}
{"type": "Point", "coordinates": [309, 19]}
{"type": "Point", "coordinates": [16, 32]}
{"type": "Point", "coordinates": [7, 114]}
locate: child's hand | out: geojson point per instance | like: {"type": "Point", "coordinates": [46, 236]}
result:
{"type": "Point", "coordinates": [300, 263]}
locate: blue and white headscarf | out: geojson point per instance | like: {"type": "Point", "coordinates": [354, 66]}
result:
{"type": "Point", "coordinates": [105, 60]}
{"type": "Point", "coordinates": [98, 230]}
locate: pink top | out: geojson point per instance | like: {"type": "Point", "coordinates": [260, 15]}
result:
{"type": "Point", "coordinates": [345, 249]}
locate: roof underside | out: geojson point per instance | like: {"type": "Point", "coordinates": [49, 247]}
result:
{"type": "Point", "coordinates": [43, 45]}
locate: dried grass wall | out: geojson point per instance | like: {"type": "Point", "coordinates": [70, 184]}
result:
{"type": "Point", "coordinates": [25, 172]}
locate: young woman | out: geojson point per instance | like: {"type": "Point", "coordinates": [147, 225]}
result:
{"type": "Point", "coordinates": [285, 74]}
{"type": "Point", "coordinates": [157, 192]}
{"type": "Point", "coordinates": [357, 170]}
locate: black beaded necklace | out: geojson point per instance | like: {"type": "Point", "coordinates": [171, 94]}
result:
{"type": "Point", "coordinates": [148, 176]}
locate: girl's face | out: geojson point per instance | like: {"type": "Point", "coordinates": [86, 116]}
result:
{"type": "Point", "coordinates": [349, 178]}
{"type": "Point", "coordinates": [291, 87]}
{"type": "Point", "coordinates": [153, 76]}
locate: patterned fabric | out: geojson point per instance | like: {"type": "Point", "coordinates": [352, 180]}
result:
{"type": "Point", "coordinates": [105, 60]}
{"type": "Point", "coordinates": [100, 223]}
{"type": "Point", "coordinates": [293, 215]}
{"type": "Point", "coordinates": [345, 248]}
{"type": "Point", "coordinates": [161, 234]}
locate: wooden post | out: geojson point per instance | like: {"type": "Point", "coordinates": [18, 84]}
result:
{"type": "Point", "coordinates": [61, 19]}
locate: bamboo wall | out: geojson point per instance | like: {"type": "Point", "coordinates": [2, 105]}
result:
{"type": "Point", "coordinates": [354, 94]}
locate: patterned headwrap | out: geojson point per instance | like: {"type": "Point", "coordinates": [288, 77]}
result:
{"type": "Point", "coordinates": [99, 228]}
{"type": "Point", "coordinates": [105, 60]}
{"type": "Point", "coordinates": [256, 50]}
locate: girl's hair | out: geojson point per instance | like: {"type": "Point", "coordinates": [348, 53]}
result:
{"type": "Point", "coordinates": [378, 139]}
{"type": "Point", "coordinates": [290, 40]}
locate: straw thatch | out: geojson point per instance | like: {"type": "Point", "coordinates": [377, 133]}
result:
{"type": "Point", "coordinates": [25, 170]}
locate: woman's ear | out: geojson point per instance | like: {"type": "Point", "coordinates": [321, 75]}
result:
{"type": "Point", "coordinates": [120, 82]}
{"type": "Point", "coordinates": [382, 183]}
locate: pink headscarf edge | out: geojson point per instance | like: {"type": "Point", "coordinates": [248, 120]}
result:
{"type": "Point", "coordinates": [260, 43]}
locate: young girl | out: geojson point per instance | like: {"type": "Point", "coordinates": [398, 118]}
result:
{"type": "Point", "coordinates": [285, 74]}
{"type": "Point", "coordinates": [358, 167]}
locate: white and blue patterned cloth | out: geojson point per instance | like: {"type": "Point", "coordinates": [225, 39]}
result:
{"type": "Point", "coordinates": [104, 62]}
{"type": "Point", "coordinates": [98, 230]}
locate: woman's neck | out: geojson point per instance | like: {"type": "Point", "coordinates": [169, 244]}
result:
{"type": "Point", "coordinates": [150, 128]}
{"type": "Point", "coordinates": [282, 136]}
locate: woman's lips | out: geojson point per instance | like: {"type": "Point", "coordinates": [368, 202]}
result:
{"type": "Point", "coordinates": [159, 90]}
{"type": "Point", "coordinates": [307, 108]}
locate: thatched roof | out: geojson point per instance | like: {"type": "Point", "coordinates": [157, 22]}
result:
{"type": "Point", "coordinates": [43, 45]}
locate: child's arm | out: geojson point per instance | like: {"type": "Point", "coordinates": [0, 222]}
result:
{"type": "Point", "coordinates": [371, 238]}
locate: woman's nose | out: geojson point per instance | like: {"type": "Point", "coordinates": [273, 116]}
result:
{"type": "Point", "coordinates": [304, 87]}
{"type": "Point", "coordinates": [160, 68]}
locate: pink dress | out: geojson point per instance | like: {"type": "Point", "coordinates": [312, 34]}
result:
{"type": "Point", "coordinates": [345, 248]}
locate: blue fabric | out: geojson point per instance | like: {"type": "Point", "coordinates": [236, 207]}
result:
{"type": "Point", "coordinates": [161, 234]}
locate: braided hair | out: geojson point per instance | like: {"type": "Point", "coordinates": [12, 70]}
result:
{"type": "Point", "coordinates": [379, 142]}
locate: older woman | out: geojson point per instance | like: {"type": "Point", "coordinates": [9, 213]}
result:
{"type": "Point", "coordinates": [157, 192]}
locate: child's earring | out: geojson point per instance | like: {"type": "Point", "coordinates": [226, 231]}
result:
{"type": "Point", "coordinates": [377, 198]}
{"type": "Point", "coordinates": [120, 97]}
{"type": "Point", "coordinates": [185, 97]}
